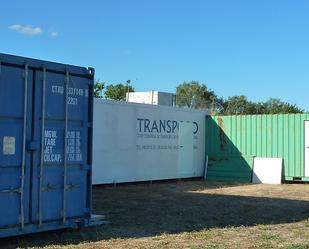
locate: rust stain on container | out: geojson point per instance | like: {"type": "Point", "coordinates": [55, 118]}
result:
{"type": "Point", "coordinates": [222, 134]}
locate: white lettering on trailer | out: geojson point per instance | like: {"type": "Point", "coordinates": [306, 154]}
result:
{"type": "Point", "coordinates": [49, 145]}
{"type": "Point", "coordinates": [57, 89]}
{"type": "Point", "coordinates": [50, 134]}
{"type": "Point", "coordinates": [72, 101]}
{"type": "Point", "coordinates": [73, 93]}
{"type": "Point", "coordinates": [76, 91]}
{"type": "Point", "coordinates": [74, 144]}
{"type": "Point", "coordinates": [53, 158]}
{"type": "Point", "coordinates": [74, 151]}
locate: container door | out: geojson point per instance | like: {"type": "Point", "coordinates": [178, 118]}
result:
{"type": "Point", "coordinates": [185, 155]}
{"type": "Point", "coordinates": [307, 148]}
{"type": "Point", "coordinates": [15, 134]}
{"type": "Point", "coordinates": [62, 181]}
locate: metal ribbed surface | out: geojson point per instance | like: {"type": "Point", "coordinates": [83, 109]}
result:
{"type": "Point", "coordinates": [233, 141]}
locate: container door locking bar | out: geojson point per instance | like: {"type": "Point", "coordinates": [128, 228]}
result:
{"type": "Point", "coordinates": [64, 209]}
{"type": "Point", "coordinates": [23, 165]}
{"type": "Point", "coordinates": [42, 148]}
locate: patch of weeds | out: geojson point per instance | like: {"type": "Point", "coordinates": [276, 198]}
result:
{"type": "Point", "coordinates": [264, 245]}
{"type": "Point", "coordinates": [262, 227]}
{"type": "Point", "coordinates": [267, 236]}
{"type": "Point", "coordinates": [158, 237]}
{"type": "Point", "coordinates": [192, 247]}
{"type": "Point", "coordinates": [162, 235]}
{"type": "Point", "coordinates": [163, 244]}
{"type": "Point", "coordinates": [204, 234]}
{"type": "Point", "coordinates": [214, 246]}
{"type": "Point", "coordinates": [297, 246]}
{"type": "Point", "coordinates": [230, 227]}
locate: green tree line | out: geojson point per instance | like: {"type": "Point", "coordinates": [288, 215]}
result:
{"type": "Point", "coordinates": [196, 95]}
{"type": "Point", "coordinates": [112, 91]}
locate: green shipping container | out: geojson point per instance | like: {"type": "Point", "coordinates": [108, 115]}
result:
{"type": "Point", "coordinates": [232, 142]}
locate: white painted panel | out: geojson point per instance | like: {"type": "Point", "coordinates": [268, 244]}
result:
{"type": "Point", "coordinates": [137, 142]}
{"type": "Point", "coordinates": [267, 170]}
{"type": "Point", "coordinates": [152, 97]}
{"type": "Point", "coordinates": [307, 148]}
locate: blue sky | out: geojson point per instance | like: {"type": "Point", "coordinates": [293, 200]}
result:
{"type": "Point", "coordinates": [253, 47]}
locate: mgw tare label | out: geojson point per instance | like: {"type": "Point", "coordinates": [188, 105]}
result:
{"type": "Point", "coordinates": [53, 151]}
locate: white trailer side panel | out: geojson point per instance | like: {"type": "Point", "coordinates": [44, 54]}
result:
{"type": "Point", "coordinates": [137, 142]}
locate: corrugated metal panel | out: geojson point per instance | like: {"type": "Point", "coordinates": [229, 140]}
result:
{"type": "Point", "coordinates": [45, 145]}
{"type": "Point", "coordinates": [233, 141]}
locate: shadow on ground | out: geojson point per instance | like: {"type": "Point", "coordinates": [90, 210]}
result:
{"type": "Point", "coordinates": [149, 210]}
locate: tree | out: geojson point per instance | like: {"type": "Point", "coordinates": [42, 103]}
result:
{"type": "Point", "coordinates": [239, 104]}
{"type": "Point", "coordinates": [118, 91]}
{"type": "Point", "coordinates": [98, 89]}
{"type": "Point", "coordinates": [194, 94]}
{"type": "Point", "coordinates": [276, 106]}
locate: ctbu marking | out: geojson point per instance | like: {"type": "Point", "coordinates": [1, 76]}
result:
{"type": "Point", "coordinates": [73, 93]}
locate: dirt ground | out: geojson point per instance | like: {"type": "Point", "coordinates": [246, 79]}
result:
{"type": "Point", "coordinates": [189, 214]}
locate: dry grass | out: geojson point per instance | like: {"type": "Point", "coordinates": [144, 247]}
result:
{"type": "Point", "coordinates": [189, 214]}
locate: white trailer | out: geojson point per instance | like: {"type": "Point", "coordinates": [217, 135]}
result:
{"type": "Point", "coordinates": [140, 142]}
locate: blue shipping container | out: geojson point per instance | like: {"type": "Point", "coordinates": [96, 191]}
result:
{"type": "Point", "coordinates": [45, 110]}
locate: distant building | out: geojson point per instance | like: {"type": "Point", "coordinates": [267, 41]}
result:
{"type": "Point", "coordinates": [152, 98]}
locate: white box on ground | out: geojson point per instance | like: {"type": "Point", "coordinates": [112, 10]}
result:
{"type": "Point", "coordinates": [267, 170]}
{"type": "Point", "coordinates": [139, 142]}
